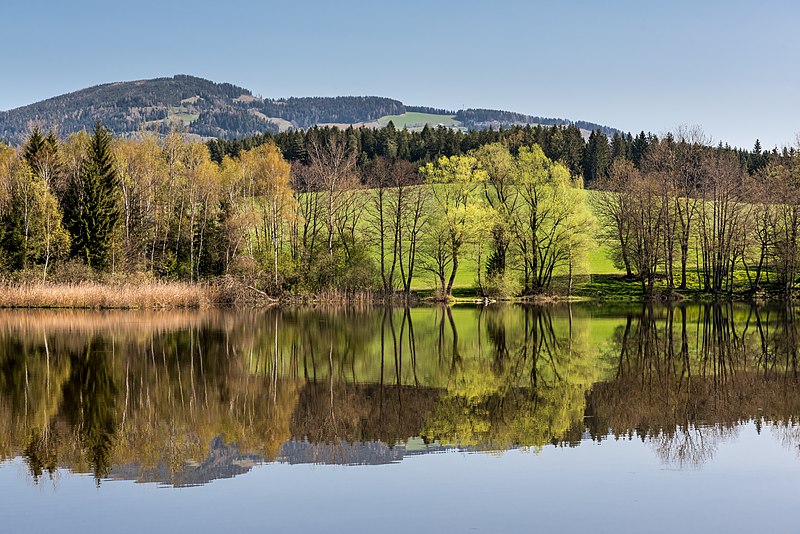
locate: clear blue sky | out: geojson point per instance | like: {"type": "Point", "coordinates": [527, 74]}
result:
{"type": "Point", "coordinates": [729, 66]}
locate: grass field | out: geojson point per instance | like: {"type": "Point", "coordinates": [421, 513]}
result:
{"type": "Point", "coordinates": [600, 268]}
{"type": "Point", "coordinates": [182, 114]}
{"type": "Point", "coordinates": [413, 120]}
{"type": "Point", "coordinates": [597, 275]}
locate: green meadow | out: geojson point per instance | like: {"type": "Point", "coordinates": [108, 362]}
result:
{"type": "Point", "coordinates": [597, 274]}
{"type": "Point", "coordinates": [412, 120]}
{"type": "Point", "coordinates": [595, 277]}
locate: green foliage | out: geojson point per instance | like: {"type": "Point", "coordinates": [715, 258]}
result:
{"type": "Point", "coordinates": [459, 215]}
{"type": "Point", "coordinates": [30, 225]}
{"type": "Point", "coordinates": [91, 203]}
{"type": "Point", "coordinates": [503, 285]}
{"type": "Point", "coordinates": [489, 213]}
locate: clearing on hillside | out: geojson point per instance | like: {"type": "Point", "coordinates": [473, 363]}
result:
{"type": "Point", "coordinates": [414, 120]}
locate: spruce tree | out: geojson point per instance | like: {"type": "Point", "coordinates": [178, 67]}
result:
{"type": "Point", "coordinates": [91, 205]}
{"type": "Point", "coordinates": [639, 148]}
{"type": "Point", "coordinates": [41, 154]}
{"type": "Point", "coordinates": [597, 157]}
{"type": "Point", "coordinates": [757, 159]}
{"type": "Point", "coordinates": [33, 147]}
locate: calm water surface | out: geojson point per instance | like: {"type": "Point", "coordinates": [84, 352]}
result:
{"type": "Point", "coordinates": [601, 418]}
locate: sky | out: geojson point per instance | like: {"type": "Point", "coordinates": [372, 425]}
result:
{"type": "Point", "coordinates": [730, 67]}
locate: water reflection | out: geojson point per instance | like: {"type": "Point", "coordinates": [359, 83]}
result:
{"type": "Point", "coordinates": [685, 378]}
{"type": "Point", "coordinates": [185, 398]}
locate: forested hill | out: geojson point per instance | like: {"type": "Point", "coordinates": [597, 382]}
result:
{"type": "Point", "coordinates": [222, 110]}
{"type": "Point", "coordinates": [481, 119]}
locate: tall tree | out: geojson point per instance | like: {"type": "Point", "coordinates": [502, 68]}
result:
{"type": "Point", "coordinates": [551, 207]}
{"type": "Point", "coordinates": [333, 168]}
{"type": "Point", "coordinates": [453, 181]}
{"type": "Point", "coordinates": [30, 221]}
{"type": "Point", "coordinates": [612, 205]}
{"type": "Point", "coordinates": [639, 147]}
{"type": "Point", "coordinates": [501, 193]}
{"type": "Point", "coordinates": [390, 182]}
{"type": "Point", "coordinates": [721, 221]}
{"type": "Point", "coordinates": [596, 158]}
{"type": "Point", "coordinates": [267, 188]}
{"type": "Point", "coordinates": [91, 202]}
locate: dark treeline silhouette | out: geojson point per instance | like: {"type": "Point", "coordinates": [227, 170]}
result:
{"type": "Point", "coordinates": [590, 157]}
{"type": "Point", "coordinates": [433, 111]}
{"type": "Point", "coordinates": [560, 143]}
{"type": "Point", "coordinates": [308, 111]}
{"type": "Point", "coordinates": [489, 118]}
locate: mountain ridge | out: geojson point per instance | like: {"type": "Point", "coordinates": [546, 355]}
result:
{"type": "Point", "coordinates": [209, 109]}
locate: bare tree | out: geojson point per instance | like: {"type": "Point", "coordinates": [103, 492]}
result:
{"type": "Point", "coordinates": [389, 182]}
{"type": "Point", "coordinates": [332, 168]}
{"type": "Point", "coordinates": [783, 182]}
{"type": "Point", "coordinates": [721, 221]}
{"type": "Point", "coordinates": [613, 205]}
{"type": "Point", "coordinates": [307, 227]}
{"type": "Point", "coordinates": [414, 220]}
{"type": "Point", "coordinates": [677, 160]}
{"type": "Point", "coordinates": [758, 235]}
{"type": "Point", "coordinates": [646, 215]}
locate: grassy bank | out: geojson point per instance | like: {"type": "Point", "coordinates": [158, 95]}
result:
{"type": "Point", "coordinates": [183, 295]}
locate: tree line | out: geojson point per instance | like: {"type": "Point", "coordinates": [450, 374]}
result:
{"type": "Point", "coordinates": [163, 207]}
{"type": "Point", "coordinates": [694, 215]}
{"type": "Point", "coordinates": [590, 156]}
{"type": "Point", "coordinates": [316, 214]}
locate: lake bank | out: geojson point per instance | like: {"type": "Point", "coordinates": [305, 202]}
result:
{"type": "Point", "coordinates": [229, 292]}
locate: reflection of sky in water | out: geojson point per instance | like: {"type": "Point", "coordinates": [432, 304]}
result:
{"type": "Point", "coordinates": [751, 483]}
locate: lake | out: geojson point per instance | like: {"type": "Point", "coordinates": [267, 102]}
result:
{"type": "Point", "coordinates": [583, 417]}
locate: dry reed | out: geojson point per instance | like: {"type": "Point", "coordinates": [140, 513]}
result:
{"type": "Point", "coordinates": [87, 322]}
{"type": "Point", "coordinates": [151, 295]}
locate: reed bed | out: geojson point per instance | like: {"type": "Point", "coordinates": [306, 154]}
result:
{"type": "Point", "coordinates": [37, 322]}
{"type": "Point", "coordinates": [149, 295]}
{"type": "Point", "coordinates": [156, 295]}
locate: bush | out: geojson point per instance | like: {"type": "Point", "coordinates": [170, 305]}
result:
{"type": "Point", "coordinates": [502, 286]}
{"type": "Point", "coordinates": [71, 272]}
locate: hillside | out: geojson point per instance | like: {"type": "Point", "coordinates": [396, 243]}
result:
{"type": "Point", "coordinates": [222, 110]}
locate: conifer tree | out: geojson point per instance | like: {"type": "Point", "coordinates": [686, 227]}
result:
{"type": "Point", "coordinates": [596, 158]}
{"type": "Point", "coordinates": [639, 148]}
{"type": "Point", "coordinates": [91, 205]}
{"type": "Point", "coordinates": [33, 147]}
{"type": "Point", "coordinates": [42, 156]}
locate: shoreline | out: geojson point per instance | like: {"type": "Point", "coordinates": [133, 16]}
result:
{"type": "Point", "coordinates": [161, 295]}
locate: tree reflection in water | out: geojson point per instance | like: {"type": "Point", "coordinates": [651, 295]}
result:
{"type": "Point", "coordinates": [687, 377]}
{"type": "Point", "coordinates": [183, 398]}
